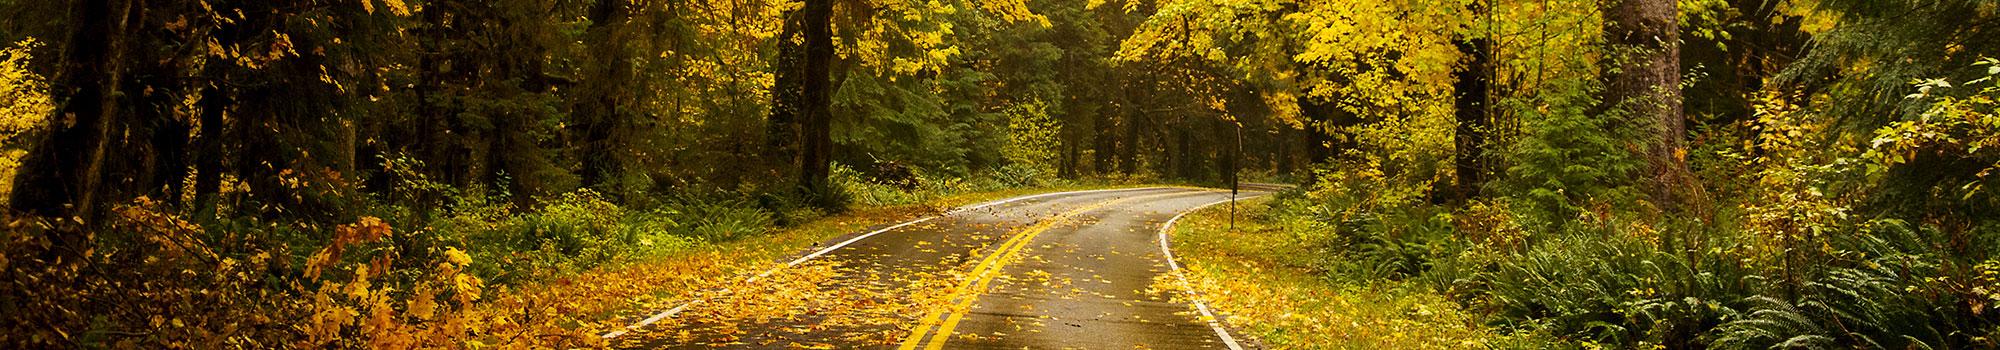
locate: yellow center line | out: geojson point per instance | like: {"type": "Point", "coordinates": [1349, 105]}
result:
{"type": "Point", "coordinates": [984, 273]}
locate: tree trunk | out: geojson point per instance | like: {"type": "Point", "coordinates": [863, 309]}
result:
{"type": "Point", "coordinates": [782, 128]}
{"type": "Point", "coordinates": [1070, 154]}
{"type": "Point", "coordinates": [1321, 123]}
{"type": "Point", "coordinates": [1283, 143]}
{"type": "Point", "coordinates": [63, 174]}
{"type": "Point", "coordinates": [1103, 144]}
{"type": "Point", "coordinates": [602, 119]}
{"type": "Point", "coordinates": [1470, 100]}
{"type": "Point", "coordinates": [208, 162]}
{"type": "Point", "coordinates": [1183, 154]}
{"type": "Point", "coordinates": [1644, 38]}
{"type": "Point", "coordinates": [1128, 156]}
{"type": "Point", "coordinates": [816, 153]}
{"type": "Point", "coordinates": [169, 140]}
{"type": "Point", "coordinates": [432, 138]}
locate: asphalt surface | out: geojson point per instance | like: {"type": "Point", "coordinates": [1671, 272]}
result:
{"type": "Point", "coordinates": [1064, 271]}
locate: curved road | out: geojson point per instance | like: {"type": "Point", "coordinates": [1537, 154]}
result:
{"type": "Point", "coordinates": [1064, 270]}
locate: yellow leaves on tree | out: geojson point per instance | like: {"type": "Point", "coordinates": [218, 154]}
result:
{"type": "Point", "coordinates": [911, 37]}
{"type": "Point", "coordinates": [1033, 140]}
{"type": "Point", "coordinates": [1361, 53]}
{"type": "Point", "coordinates": [362, 310]}
{"type": "Point", "coordinates": [396, 7]}
{"type": "Point", "coordinates": [24, 106]}
{"type": "Point", "coordinates": [1013, 11]}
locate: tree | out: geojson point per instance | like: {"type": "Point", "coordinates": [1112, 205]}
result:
{"type": "Point", "coordinates": [1471, 102]}
{"type": "Point", "coordinates": [603, 121]}
{"type": "Point", "coordinates": [1644, 84]}
{"type": "Point", "coordinates": [816, 119]}
{"type": "Point", "coordinates": [64, 174]}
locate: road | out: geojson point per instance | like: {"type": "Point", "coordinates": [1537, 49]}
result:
{"type": "Point", "coordinates": [1067, 270]}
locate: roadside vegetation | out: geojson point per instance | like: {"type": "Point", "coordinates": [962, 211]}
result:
{"type": "Point", "coordinates": [1282, 286]}
{"type": "Point", "coordinates": [391, 174]}
{"type": "Point", "coordinates": [1295, 273]}
{"type": "Point", "coordinates": [556, 276]}
{"type": "Point", "coordinates": [1618, 174]}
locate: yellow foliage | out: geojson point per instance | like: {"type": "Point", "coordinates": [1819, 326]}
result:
{"type": "Point", "coordinates": [24, 106]}
{"type": "Point", "coordinates": [1033, 140]}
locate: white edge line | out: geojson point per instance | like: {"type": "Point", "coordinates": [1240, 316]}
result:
{"type": "Point", "coordinates": [677, 309]}
{"type": "Point", "coordinates": [1213, 322]}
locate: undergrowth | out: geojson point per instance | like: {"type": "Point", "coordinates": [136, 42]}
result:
{"type": "Point", "coordinates": [475, 270]}
{"type": "Point", "coordinates": [1806, 241]}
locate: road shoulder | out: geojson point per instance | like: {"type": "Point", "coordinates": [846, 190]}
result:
{"type": "Point", "coordinates": [1261, 279]}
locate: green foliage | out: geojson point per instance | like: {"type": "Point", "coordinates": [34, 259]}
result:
{"type": "Point", "coordinates": [1613, 288]}
{"type": "Point", "coordinates": [1952, 148]}
{"type": "Point", "coordinates": [1866, 53]}
{"type": "Point", "coordinates": [1885, 286]}
{"type": "Point", "coordinates": [568, 233]}
{"type": "Point", "coordinates": [907, 121]}
{"type": "Point", "coordinates": [1021, 175]}
{"type": "Point", "coordinates": [1569, 161]}
{"type": "Point", "coordinates": [717, 218]}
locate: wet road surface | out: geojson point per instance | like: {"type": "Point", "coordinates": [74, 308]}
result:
{"type": "Point", "coordinates": [1073, 270]}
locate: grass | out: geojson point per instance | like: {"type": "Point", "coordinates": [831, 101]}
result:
{"type": "Point", "coordinates": [1262, 280]}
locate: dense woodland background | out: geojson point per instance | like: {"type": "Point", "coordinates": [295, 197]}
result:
{"type": "Point", "coordinates": [1628, 173]}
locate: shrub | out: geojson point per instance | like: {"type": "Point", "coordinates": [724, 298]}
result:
{"type": "Point", "coordinates": [717, 219]}
{"type": "Point", "coordinates": [1570, 162]}
{"type": "Point", "coordinates": [571, 232]}
{"type": "Point", "coordinates": [1885, 286]}
{"type": "Point", "coordinates": [153, 279]}
{"type": "Point", "coordinates": [1614, 288]}
{"type": "Point", "coordinates": [869, 191]}
{"type": "Point", "coordinates": [1020, 175]}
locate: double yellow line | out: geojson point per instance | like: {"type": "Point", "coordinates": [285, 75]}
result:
{"type": "Point", "coordinates": [988, 269]}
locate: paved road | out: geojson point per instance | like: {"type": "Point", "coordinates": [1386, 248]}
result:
{"type": "Point", "coordinates": [1069, 270]}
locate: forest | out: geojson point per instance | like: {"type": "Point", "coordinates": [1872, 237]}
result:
{"type": "Point", "coordinates": [1581, 174]}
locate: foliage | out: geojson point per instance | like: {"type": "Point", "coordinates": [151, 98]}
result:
{"type": "Point", "coordinates": [1817, 253]}
{"type": "Point", "coordinates": [232, 289]}
{"type": "Point", "coordinates": [721, 219]}
{"type": "Point", "coordinates": [572, 232]}
{"type": "Point", "coordinates": [1958, 133]}
{"type": "Point", "coordinates": [24, 107]}
{"type": "Point", "coordinates": [1569, 164]}
{"type": "Point", "coordinates": [1882, 286]}
{"type": "Point", "coordinates": [1032, 140]}
{"type": "Point", "coordinates": [1276, 288]}
{"type": "Point", "coordinates": [444, 173]}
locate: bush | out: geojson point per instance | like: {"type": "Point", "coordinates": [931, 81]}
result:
{"type": "Point", "coordinates": [1615, 288]}
{"type": "Point", "coordinates": [1020, 175]}
{"type": "Point", "coordinates": [571, 232]}
{"type": "Point", "coordinates": [1885, 287]}
{"type": "Point", "coordinates": [869, 191]}
{"type": "Point", "coordinates": [151, 279]}
{"type": "Point", "coordinates": [1570, 162]}
{"type": "Point", "coordinates": [717, 219]}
